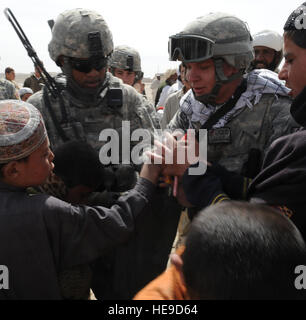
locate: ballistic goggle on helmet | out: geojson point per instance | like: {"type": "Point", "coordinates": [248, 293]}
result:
{"type": "Point", "coordinates": [190, 48]}
{"type": "Point", "coordinates": [212, 36]}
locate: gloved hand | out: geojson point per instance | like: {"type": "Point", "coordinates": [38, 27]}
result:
{"type": "Point", "coordinates": [202, 190]}
{"type": "Point", "coordinates": [233, 184]}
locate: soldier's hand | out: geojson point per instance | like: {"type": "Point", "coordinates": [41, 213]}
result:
{"type": "Point", "coordinates": [176, 155]}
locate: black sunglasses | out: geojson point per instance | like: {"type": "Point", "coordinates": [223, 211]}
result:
{"type": "Point", "coordinates": [87, 65]}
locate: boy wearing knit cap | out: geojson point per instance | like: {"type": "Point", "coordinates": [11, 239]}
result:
{"type": "Point", "coordinates": [25, 157]}
{"type": "Point", "coordinates": [41, 235]}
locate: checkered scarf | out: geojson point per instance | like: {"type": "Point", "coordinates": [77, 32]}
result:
{"type": "Point", "coordinates": [259, 82]}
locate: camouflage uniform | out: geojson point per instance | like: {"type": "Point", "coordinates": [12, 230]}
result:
{"type": "Point", "coordinates": [239, 145]}
{"type": "Point", "coordinates": [7, 90]}
{"type": "Point", "coordinates": [89, 110]}
{"type": "Point", "coordinates": [91, 120]}
{"type": "Point", "coordinates": [125, 57]}
{"type": "Point", "coordinates": [254, 128]}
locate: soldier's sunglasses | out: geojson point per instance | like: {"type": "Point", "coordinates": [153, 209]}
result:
{"type": "Point", "coordinates": [190, 48]}
{"type": "Point", "coordinates": [86, 65]}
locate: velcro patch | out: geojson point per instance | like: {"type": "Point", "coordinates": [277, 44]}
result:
{"type": "Point", "coordinates": [219, 135]}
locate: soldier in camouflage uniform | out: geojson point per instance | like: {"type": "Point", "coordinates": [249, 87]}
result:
{"type": "Point", "coordinates": [217, 50]}
{"type": "Point", "coordinates": [126, 64]}
{"type": "Point", "coordinates": [91, 100]}
{"type": "Point", "coordinates": [7, 90]}
{"type": "Point", "coordinates": [242, 112]}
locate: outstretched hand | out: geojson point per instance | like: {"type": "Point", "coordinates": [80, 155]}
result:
{"type": "Point", "coordinates": [175, 154]}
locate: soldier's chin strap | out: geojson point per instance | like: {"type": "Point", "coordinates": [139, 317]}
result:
{"type": "Point", "coordinates": [221, 79]}
{"type": "Point", "coordinates": [84, 95]}
{"type": "Point", "coordinates": [139, 76]}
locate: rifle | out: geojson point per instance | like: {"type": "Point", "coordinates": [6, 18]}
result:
{"type": "Point", "coordinates": [49, 81]}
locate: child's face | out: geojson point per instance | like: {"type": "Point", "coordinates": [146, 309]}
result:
{"type": "Point", "coordinates": [294, 68]}
{"type": "Point", "coordinates": [37, 168]}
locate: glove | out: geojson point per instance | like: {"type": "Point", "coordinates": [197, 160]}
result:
{"type": "Point", "coordinates": [233, 184]}
{"type": "Point", "coordinates": [203, 190]}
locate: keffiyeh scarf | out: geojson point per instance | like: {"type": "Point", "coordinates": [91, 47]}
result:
{"type": "Point", "coordinates": [259, 82]}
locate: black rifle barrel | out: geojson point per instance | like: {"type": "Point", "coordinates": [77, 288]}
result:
{"type": "Point", "coordinates": [48, 80]}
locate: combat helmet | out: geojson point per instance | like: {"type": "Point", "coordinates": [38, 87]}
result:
{"type": "Point", "coordinates": [220, 36]}
{"type": "Point", "coordinates": [272, 40]}
{"type": "Point", "coordinates": [80, 33]}
{"type": "Point", "coordinates": [83, 38]}
{"type": "Point", "coordinates": [126, 58]}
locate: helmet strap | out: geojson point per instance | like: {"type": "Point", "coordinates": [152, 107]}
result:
{"type": "Point", "coordinates": [112, 70]}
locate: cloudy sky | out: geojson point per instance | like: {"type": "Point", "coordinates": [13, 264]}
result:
{"type": "Point", "coordinates": [142, 24]}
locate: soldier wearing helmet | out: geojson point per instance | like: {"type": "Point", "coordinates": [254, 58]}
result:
{"type": "Point", "coordinates": [268, 47]}
{"type": "Point", "coordinates": [125, 64]}
{"type": "Point", "coordinates": [281, 180]}
{"type": "Point", "coordinates": [242, 112]}
{"type": "Point", "coordinates": [92, 100]}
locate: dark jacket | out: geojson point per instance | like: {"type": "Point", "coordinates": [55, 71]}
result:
{"type": "Point", "coordinates": [121, 273]}
{"type": "Point", "coordinates": [33, 83]}
{"type": "Point", "coordinates": [282, 180]}
{"type": "Point", "coordinates": [41, 235]}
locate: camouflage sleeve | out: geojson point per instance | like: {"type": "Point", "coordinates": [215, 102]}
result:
{"type": "Point", "coordinates": [281, 121]}
{"type": "Point", "coordinates": [138, 110]}
{"type": "Point", "coordinates": [164, 119]}
{"type": "Point", "coordinates": [152, 112]}
{"type": "Point", "coordinates": [179, 121]}
{"type": "Point", "coordinates": [12, 92]}
{"type": "Point", "coordinates": [166, 115]}
{"type": "Point", "coordinates": [37, 101]}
